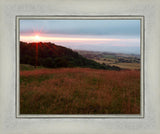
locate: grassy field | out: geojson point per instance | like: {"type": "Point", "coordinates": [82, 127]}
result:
{"type": "Point", "coordinates": [79, 91]}
{"type": "Point", "coordinates": [131, 66]}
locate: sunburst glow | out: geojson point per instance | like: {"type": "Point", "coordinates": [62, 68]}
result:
{"type": "Point", "coordinates": [37, 38]}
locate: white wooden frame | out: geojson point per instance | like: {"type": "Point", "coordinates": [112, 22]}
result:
{"type": "Point", "coordinates": [9, 124]}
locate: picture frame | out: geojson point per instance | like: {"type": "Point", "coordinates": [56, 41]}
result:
{"type": "Point", "coordinates": [11, 123]}
{"type": "Point", "coordinates": [140, 18]}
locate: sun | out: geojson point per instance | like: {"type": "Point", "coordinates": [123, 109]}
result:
{"type": "Point", "coordinates": [37, 38]}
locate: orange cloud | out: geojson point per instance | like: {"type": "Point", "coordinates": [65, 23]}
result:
{"type": "Point", "coordinates": [75, 39]}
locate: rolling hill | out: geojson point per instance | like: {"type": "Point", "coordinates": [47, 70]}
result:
{"type": "Point", "coordinates": [54, 56]}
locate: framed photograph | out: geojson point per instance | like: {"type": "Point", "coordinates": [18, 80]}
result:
{"type": "Point", "coordinates": [79, 67]}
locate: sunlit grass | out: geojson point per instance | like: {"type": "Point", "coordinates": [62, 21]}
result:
{"type": "Point", "coordinates": [79, 91]}
{"type": "Point", "coordinates": [131, 66]}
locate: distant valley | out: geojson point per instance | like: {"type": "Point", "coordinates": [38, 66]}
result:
{"type": "Point", "coordinates": [124, 61]}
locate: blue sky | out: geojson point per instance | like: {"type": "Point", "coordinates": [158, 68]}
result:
{"type": "Point", "coordinates": [122, 36]}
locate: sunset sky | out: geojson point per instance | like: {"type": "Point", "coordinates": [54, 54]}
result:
{"type": "Point", "coordinates": [122, 36]}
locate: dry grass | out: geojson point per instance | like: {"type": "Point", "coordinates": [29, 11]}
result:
{"type": "Point", "coordinates": [79, 91]}
{"type": "Point", "coordinates": [111, 62]}
{"type": "Point", "coordinates": [131, 66]}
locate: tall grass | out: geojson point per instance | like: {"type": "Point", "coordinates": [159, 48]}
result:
{"type": "Point", "coordinates": [79, 91]}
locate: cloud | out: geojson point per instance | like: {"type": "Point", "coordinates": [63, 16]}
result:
{"type": "Point", "coordinates": [82, 27]}
{"type": "Point", "coordinates": [97, 35]}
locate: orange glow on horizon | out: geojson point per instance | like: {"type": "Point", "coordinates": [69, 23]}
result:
{"type": "Point", "coordinates": [51, 39]}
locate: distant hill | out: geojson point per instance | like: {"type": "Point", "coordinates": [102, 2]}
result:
{"type": "Point", "coordinates": [54, 56]}
{"type": "Point", "coordinates": [99, 54]}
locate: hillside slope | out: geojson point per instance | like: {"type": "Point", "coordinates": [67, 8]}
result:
{"type": "Point", "coordinates": [54, 56]}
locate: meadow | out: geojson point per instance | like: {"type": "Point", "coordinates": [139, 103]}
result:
{"type": "Point", "coordinates": [79, 91]}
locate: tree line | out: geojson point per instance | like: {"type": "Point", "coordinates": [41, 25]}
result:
{"type": "Point", "coordinates": [51, 55]}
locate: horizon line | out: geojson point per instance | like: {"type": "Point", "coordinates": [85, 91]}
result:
{"type": "Point", "coordinates": [84, 49]}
